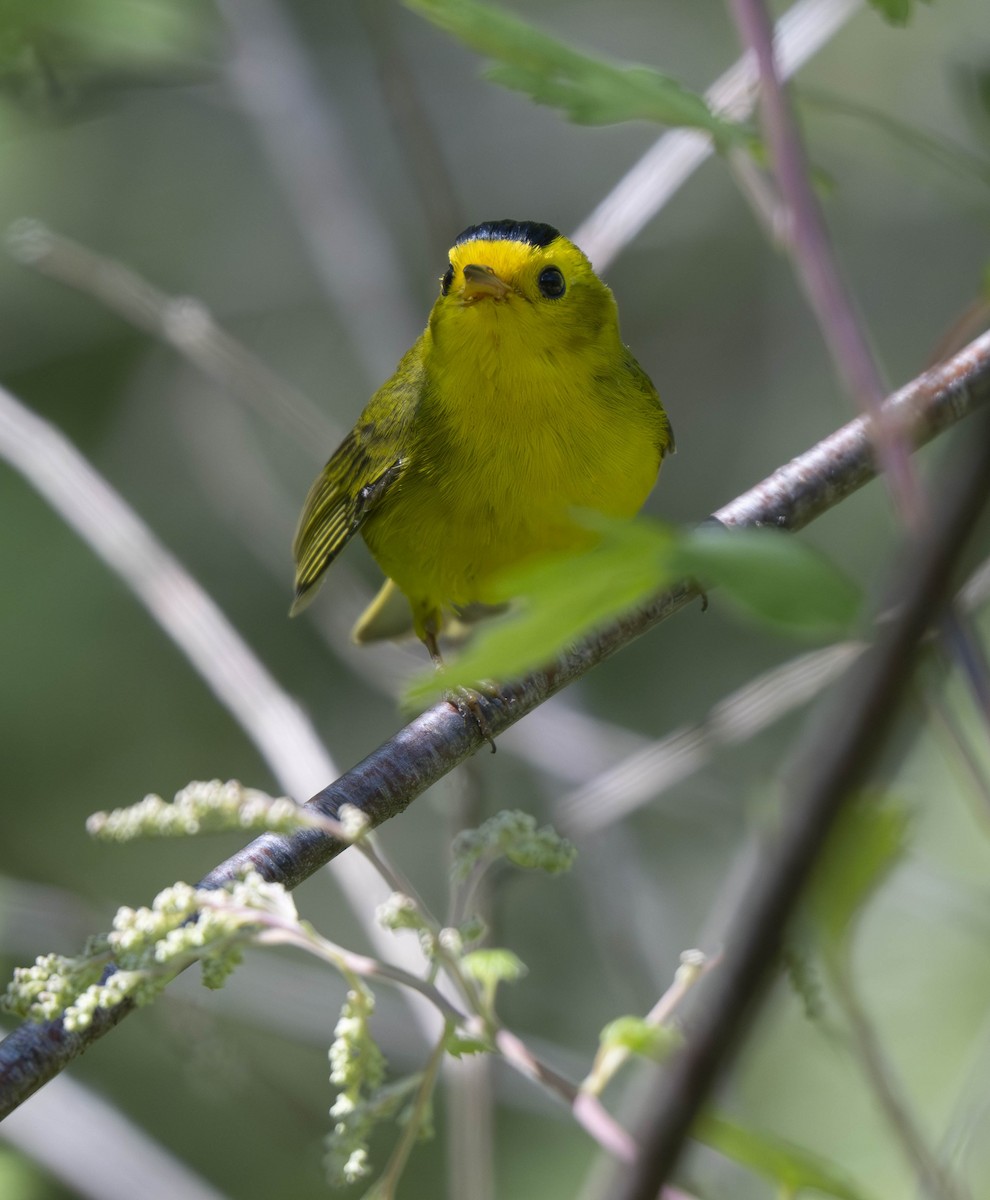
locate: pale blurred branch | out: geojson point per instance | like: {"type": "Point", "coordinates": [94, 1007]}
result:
{"type": "Point", "coordinates": [415, 135]}
{"type": "Point", "coordinates": [390, 778]}
{"type": "Point", "coordinates": [97, 1153]}
{"type": "Point", "coordinates": [643, 776]}
{"type": "Point", "coordinates": [182, 322]}
{"type": "Point", "coordinates": [650, 769]}
{"type": "Point", "coordinates": [272, 720]}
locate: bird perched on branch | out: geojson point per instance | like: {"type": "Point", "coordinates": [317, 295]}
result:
{"type": "Point", "coordinates": [517, 407]}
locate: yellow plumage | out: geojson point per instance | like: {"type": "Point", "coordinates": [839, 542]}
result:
{"type": "Point", "coordinates": [517, 405]}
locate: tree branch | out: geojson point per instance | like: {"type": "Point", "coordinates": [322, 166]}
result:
{"type": "Point", "coordinates": [390, 778]}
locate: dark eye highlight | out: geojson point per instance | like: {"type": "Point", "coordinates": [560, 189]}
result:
{"type": "Point", "coordinates": [551, 283]}
{"type": "Point", "coordinates": [446, 280]}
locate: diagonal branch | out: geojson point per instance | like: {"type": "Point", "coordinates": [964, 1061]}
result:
{"type": "Point", "coordinates": [389, 779]}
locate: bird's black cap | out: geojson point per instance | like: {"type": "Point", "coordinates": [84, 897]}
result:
{"type": "Point", "coordinates": [532, 232]}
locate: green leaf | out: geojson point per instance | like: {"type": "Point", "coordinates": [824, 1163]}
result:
{"type": "Point", "coordinates": [867, 843]}
{"type": "Point", "coordinates": [513, 835]}
{"type": "Point", "coordinates": [773, 577]}
{"type": "Point", "coordinates": [142, 30]}
{"type": "Point", "coordinates": [492, 966]}
{"type": "Point", "coordinates": [588, 90]}
{"type": "Point", "coordinates": [896, 12]}
{"type": "Point", "coordinates": [790, 1166]}
{"type": "Point", "coordinates": [638, 1036]}
{"type": "Point", "coordinates": [560, 600]}
{"type": "Point", "coordinates": [458, 1046]}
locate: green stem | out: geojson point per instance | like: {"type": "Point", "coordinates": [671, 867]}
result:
{"type": "Point", "coordinates": [878, 1071]}
{"type": "Point", "coordinates": [384, 1189]}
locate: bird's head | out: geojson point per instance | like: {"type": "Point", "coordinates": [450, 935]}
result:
{"type": "Point", "coordinates": [521, 280]}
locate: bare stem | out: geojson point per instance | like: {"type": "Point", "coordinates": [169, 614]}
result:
{"type": "Point", "coordinates": [878, 1071]}
{"type": "Point", "coordinates": [816, 266]}
{"type": "Point", "coordinates": [386, 1186]}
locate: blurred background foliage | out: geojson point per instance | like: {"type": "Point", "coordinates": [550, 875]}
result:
{"type": "Point", "coordinates": [157, 133]}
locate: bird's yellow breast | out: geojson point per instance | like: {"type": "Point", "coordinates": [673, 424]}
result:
{"type": "Point", "coordinates": [516, 429]}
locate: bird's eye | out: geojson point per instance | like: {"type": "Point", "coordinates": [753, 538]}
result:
{"type": "Point", "coordinates": [446, 281]}
{"type": "Point", "coordinates": [551, 283]}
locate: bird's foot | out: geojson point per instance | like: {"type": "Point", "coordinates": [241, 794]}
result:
{"type": "Point", "coordinates": [467, 701]}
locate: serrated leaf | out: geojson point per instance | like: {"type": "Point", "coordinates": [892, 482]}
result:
{"type": "Point", "coordinates": [864, 847]}
{"type": "Point", "coordinates": [587, 89]}
{"type": "Point", "coordinates": [514, 835]}
{"type": "Point", "coordinates": [638, 1036]}
{"type": "Point", "coordinates": [790, 1166]}
{"type": "Point", "coordinates": [774, 577]}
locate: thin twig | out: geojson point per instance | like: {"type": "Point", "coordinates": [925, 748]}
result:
{"type": "Point", "coordinates": [815, 262]}
{"type": "Point", "coordinates": [387, 782]}
{"type": "Point", "coordinates": [412, 1126]}
{"type": "Point", "coordinates": [281, 933]}
{"type": "Point", "coordinates": [588, 1110]}
{"type": "Point", "coordinates": [872, 1061]}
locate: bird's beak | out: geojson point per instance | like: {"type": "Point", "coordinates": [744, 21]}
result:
{"type": "Point", "coordinates": [480, 282]}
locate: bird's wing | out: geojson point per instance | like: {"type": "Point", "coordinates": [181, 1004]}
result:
{"type": "Point", "coordinates": [349, 487]}
{"type": "Point", "coordinates": [361, 472]}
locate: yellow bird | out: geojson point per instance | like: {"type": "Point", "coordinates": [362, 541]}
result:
{"type": "Point", "coordinates": [517, 406]}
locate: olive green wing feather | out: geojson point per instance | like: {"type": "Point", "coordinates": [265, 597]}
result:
{"type": "Point", "coordinates": [362, 471]}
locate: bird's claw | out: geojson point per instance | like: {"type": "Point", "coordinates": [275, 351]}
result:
{"type": "Point", "coordinates": [467, 702]}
